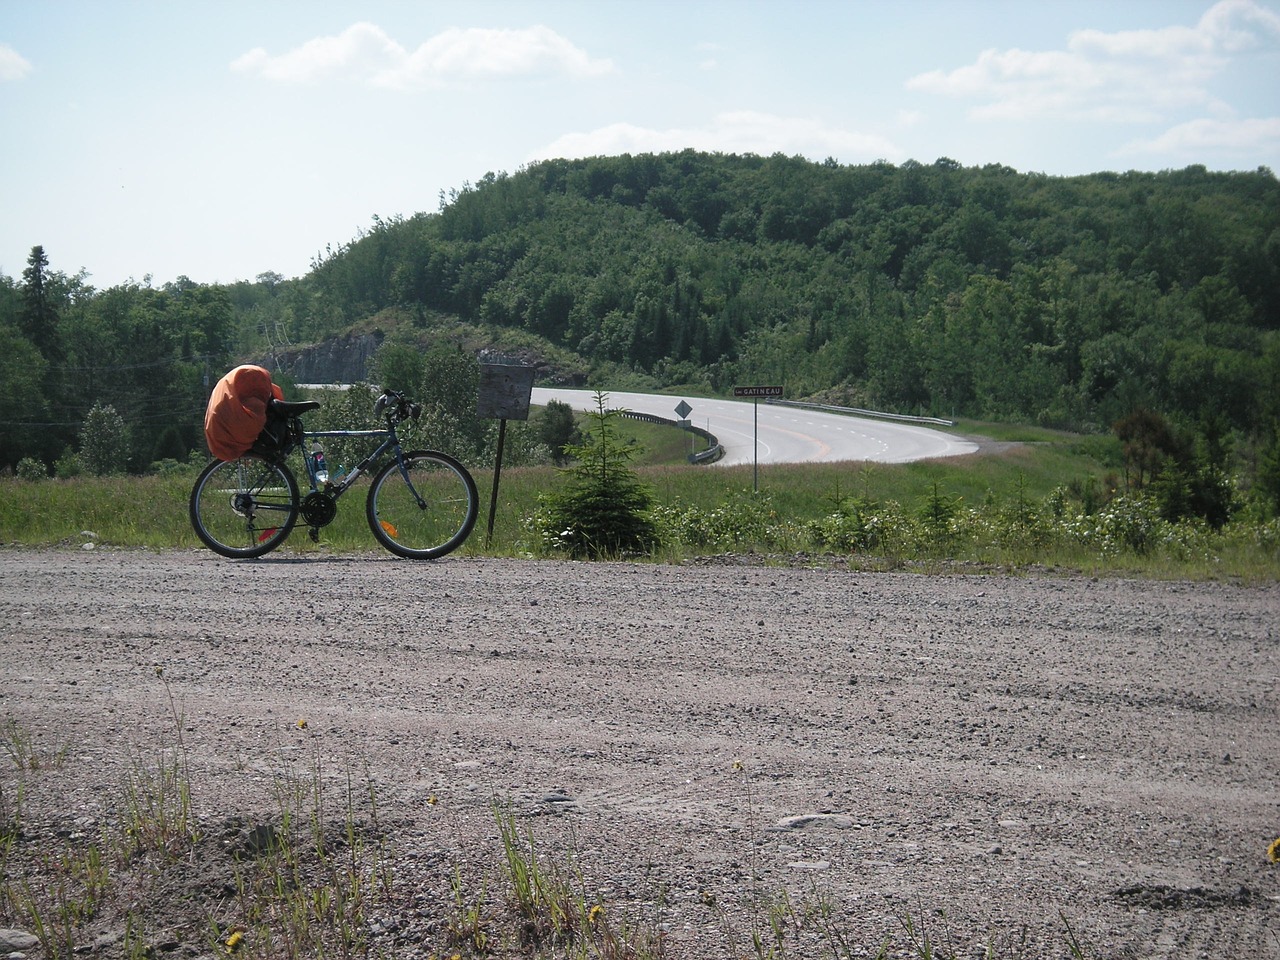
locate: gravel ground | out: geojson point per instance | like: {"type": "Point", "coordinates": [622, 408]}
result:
{"type": "Point", "coordinates": [1019, 753]}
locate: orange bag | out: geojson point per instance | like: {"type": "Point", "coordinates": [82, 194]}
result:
{"type": "Point", "coordinates": [237, 411]}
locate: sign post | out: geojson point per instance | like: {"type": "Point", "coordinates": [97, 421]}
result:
{"type": "Point", "coordinates": [682, 411]}
{"type": "Point", "coordinates": [755, 394]}
{"type": "Point", "coordinates": [504, 394]}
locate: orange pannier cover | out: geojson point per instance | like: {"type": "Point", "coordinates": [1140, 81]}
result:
{"type": "Point", "coordinates": [237, 411]}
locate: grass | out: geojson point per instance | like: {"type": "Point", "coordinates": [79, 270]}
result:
{"type": "Point", "coordinates": [23, 750]}
{"type": "Point", "coordinates": [712, 510]}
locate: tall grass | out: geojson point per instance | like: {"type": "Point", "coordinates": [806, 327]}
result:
{"type": "Point", "coordinates": [1015, 506]}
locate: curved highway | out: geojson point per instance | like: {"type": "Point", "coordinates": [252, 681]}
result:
{"type": "Point", "coordinates": [786, 434]}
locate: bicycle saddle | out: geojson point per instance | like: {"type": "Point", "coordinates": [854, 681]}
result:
{"type": "Point", "coordinates": [291, 408]}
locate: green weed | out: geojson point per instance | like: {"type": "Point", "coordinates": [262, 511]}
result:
{"type": "Point", "coordinates": [22, 749]}
{"type": "Point", "coordinates": [468, 925]}
{"type": "Point", "coordinates": [63, 893]}
{"type": "Point", "coordinates": [157, 815]}
{"type": "Point", "coordinates": [550, 912]}
{"type": "Point", "coordinates": [306, 888]}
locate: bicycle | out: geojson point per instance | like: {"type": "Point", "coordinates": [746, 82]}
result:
{"type": "Point", "coordinates": [421, 504]}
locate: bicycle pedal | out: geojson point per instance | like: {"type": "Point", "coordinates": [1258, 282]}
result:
{"type": "Point", "coordinates": [314, 534]}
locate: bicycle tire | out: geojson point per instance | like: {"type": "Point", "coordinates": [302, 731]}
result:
{"type": "Point", "coordinates": [434, 521]}
{"type": "Point", "coordinates": [244, 508]}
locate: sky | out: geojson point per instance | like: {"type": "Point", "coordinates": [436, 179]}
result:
{"type": "Point", "coordinates": [144, 141]}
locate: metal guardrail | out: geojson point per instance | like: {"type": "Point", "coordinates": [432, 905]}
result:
{"type": "Point", "coordinates": [714, 449]}
{"type": "Point", "coordinates": [858, 412]}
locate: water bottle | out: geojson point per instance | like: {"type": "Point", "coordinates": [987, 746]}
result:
{"type": "Point", "coordinates": [318, 464]}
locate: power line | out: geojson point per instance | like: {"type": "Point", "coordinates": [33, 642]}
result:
{"type": "Point", "coordinates": [166, 361]}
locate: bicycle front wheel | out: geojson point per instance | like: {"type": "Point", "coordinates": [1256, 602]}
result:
{"type": "Point", "coordinates": [425, 509]}
{"type": "Point", "coordinates": [244, 508]}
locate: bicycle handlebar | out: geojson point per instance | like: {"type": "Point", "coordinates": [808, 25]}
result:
{"type": "Point", "coordinates": [396, 407]}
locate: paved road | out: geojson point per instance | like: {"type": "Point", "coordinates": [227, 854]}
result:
{"type": "Point", "coordinates": [786, 434]}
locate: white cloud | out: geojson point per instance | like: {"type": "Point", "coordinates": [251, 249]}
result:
{"type": "Point", "coordinates": [736, 132]}
{"type": "Point", "coordinates": [1128, 76]}
{"type": "Point", "coordinates": [13, 65]}
{"type": "Point", "coordinates": [364, 52]}
{"type": "Point", "coordinates": [1198, 138]}
{"type": "Point", "coordinates": [709, 53]}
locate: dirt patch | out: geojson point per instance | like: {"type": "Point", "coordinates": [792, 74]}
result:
{"type": "Point", "coordinates": [1018, 753]}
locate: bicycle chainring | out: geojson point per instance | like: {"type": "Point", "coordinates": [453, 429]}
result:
{"type": "Point", "coordinates": [319, 509]}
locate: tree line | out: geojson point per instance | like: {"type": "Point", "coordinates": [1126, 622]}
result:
{"type": "Point", "coordinates": [938, 289]}
{"type": "Point", "coordinates": [922, 288]}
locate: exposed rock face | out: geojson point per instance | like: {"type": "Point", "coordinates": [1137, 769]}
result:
{"type": "Point", "coordinates": [341, 360]}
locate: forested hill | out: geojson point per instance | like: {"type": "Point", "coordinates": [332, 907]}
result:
{"type": "Point", "coordinates": [934, 288]}
{"type": "Point", "coordinates": [938, 289]}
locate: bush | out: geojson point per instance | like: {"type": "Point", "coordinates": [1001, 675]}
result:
{"type": "Point", "coordinates": [68, 465]}
{"type": "Point", "coordinates": [867, 526]}
{"type": "Point", "coordinates": [558, 429]}
{"type": "Point", "coordinates": [744, 520]}
{"type": "Point", "coordinates": [30, 468]}
{"type": "Point", "coordinates": [170, 467]}
{"type": "Point", "coordinates": [104, 441]}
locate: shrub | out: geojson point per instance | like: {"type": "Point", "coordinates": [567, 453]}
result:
{"type": "Point", "coordinates": [32, 469]}
{"type": "Point", "coordinates": [743, 520]}
{"type": "Point", "coordinates": [169, 467]}
{"type": "Point", "coordinates": [104, 441]}
{"type": "Point", "coordinates": [68, 465]}
{"type": "Point", "coordinates": [558, 429]}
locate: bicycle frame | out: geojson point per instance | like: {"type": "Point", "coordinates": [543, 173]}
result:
{"type": "Point", "coordinates": [390, 441]}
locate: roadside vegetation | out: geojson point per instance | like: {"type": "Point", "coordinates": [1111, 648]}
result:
{"type": "Point", "coordinates": [1068, 302]}
{"type": "Point", "coordinates": [1048, 500]}
{"type": "Point", "coordinates": [1124, 328]}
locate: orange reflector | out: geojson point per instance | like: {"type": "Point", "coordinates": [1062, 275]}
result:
{"type": "Point", "coordinates": [391, 531]}
{"type": "Point", "coordinates": [267, 534]}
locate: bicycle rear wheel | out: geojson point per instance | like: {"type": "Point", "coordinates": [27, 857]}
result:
{"type": "Point", "coordinates": [244, 508]}
{"type": "Point", "coordinates": [425, 510]}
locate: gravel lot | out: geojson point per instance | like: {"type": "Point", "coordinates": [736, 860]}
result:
{"type": "Point", "coordinates": [1011, 751]}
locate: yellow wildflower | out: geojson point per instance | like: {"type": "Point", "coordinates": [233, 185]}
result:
{"type": "Point", "coordinates": [737, 765]}
{"type": "Point", "coordinates": [432, 800]}
{"type": "Point", "coordinates": [594, 914]}
{"type": "Point", "coordinates": [234, 941]}
{"type": "Point", "coordinates": [302, 723]}
{"type": "Point", "coordinates": [1273, 851]}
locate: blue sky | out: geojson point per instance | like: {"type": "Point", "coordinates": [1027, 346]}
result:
{"type": "Point", "coordinates": [221, 140]}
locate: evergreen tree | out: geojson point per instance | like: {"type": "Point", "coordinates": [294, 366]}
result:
{"type": "Point", "coordinates": [39, 317]}
{"type": "Point", "coordinates": [604, 509]}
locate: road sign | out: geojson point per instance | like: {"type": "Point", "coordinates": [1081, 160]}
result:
{"type": "Point", "coordinates": [757, 392]}
{"type": "Point", "coordinates": [504, 391]}
{"type": "Point", "coordinates": [683, 410]}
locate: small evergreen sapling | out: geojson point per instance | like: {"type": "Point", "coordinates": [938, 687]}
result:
{"type": "Point", "coordinates": [604, 509]}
